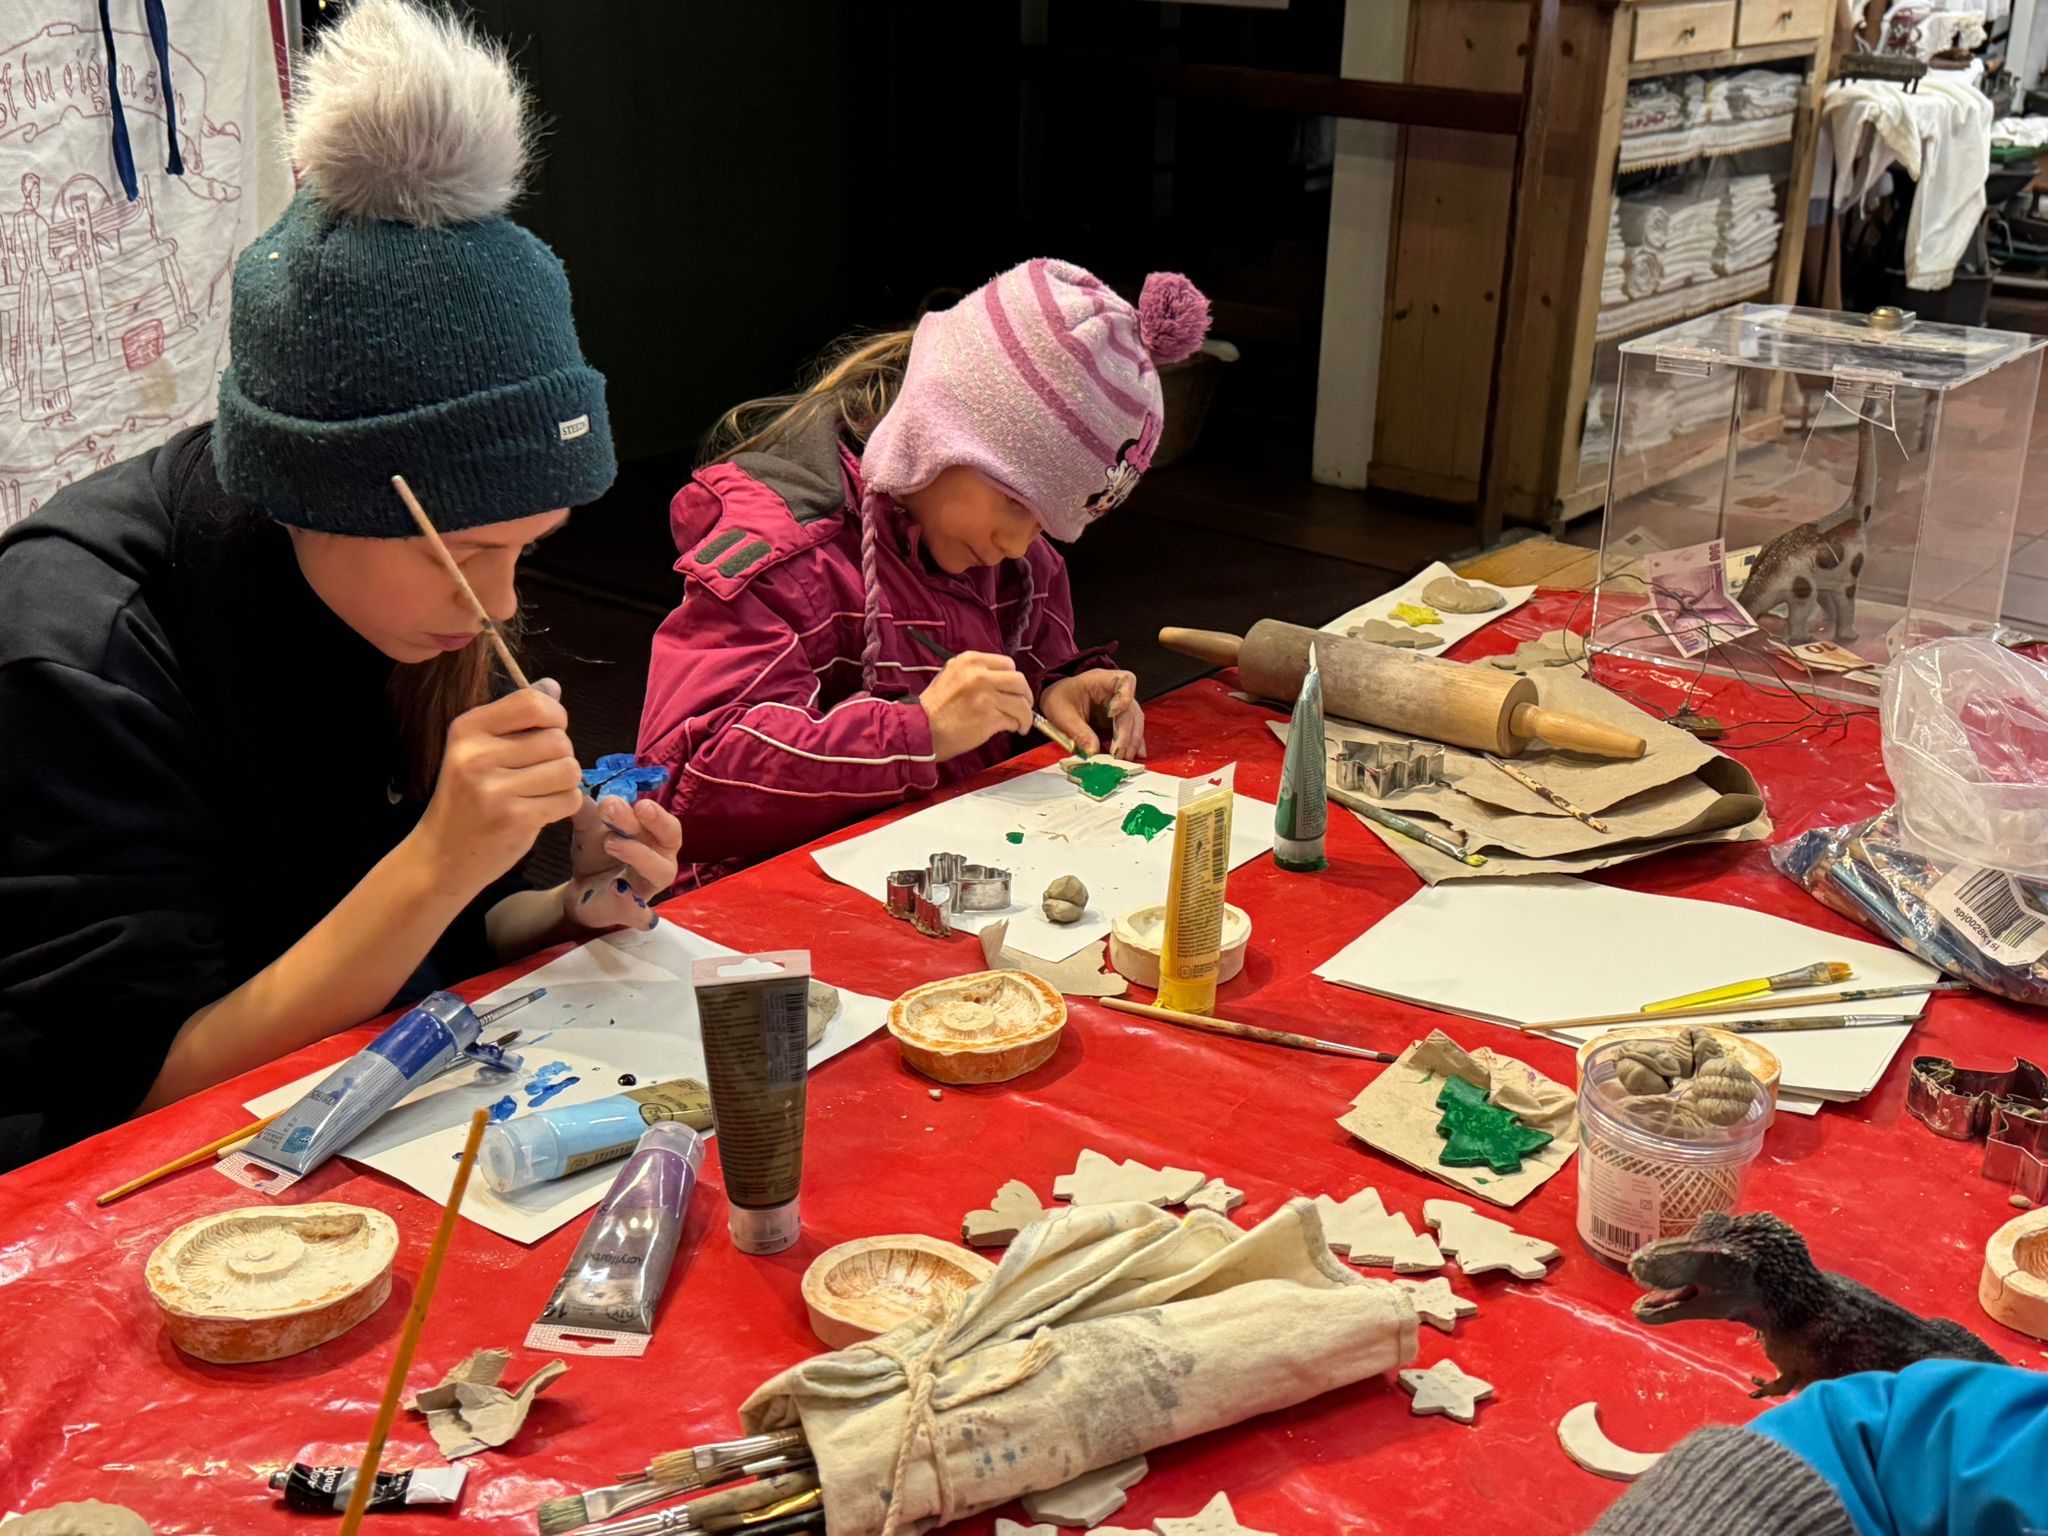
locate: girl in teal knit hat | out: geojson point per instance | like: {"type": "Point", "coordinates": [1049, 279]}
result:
{"type": "Point", "coordinates": [257, 786]}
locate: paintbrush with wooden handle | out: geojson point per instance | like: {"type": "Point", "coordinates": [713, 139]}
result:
{"type": "Point", "coordinates": [483, 616]}
{"type": "Point", "coordinates": [1038, 722]}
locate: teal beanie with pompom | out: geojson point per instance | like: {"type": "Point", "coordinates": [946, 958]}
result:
{"type": "Point", "coordinates": [394, 321]}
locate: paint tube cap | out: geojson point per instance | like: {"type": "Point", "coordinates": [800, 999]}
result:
{"type": "Point", "coordinates": [764, 1229]}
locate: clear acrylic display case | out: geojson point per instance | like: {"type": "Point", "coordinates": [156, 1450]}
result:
{"type": "Point", "coordinates": [1737, 444]}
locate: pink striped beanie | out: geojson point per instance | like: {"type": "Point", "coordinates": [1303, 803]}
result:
{"type": "Point", "coordinates": [1045, 381]}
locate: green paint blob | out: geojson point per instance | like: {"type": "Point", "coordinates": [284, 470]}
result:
{"type": "Point", "coordinates": [1013, 837]}
{"type": "Point", "coordinates": [1147, 821]}
{"type": "Point", "coordinates": [1476, 1132]}
{"type": "Point", "coordinates": [1098, 780]}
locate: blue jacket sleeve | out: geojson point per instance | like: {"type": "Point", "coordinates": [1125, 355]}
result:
{"type": "Point", "coordinates": [1942, 1448]}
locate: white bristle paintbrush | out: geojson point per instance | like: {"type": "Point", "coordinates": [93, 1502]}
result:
{"type": "Point", "coordinates": [676, 1473]}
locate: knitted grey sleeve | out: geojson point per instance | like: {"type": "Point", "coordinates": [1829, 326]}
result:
{"type": "Point", "coordinates": [1728, 1482]}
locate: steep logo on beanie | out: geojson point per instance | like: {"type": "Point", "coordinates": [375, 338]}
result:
{"type": "Point", "coordinates": [575, 426]}
{"type": "Point", "coordinates": [1121, 478]}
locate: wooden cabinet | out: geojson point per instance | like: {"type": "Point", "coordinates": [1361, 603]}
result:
{"type": "Point", "coordinates": [1444, 278]}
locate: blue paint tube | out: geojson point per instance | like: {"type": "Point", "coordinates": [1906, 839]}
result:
{"type": "Point", "coordinates": [423, 1043]}
{"type": "Point", "coordinates": [554, 1143]}
{"type": "Point", "coordinates": [605, 1302]}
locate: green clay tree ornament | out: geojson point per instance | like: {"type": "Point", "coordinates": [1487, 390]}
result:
{"type": "Point", "coordinates": [1477, 1132]}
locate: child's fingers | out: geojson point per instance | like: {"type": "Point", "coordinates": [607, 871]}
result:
{"type": "Point", "coordinates": [659, 826]}
{"type": "Point", "coordinates": [649, 869]}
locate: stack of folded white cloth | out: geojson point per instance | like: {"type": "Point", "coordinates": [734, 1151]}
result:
{"type": "Point", "coordinates": [1615, 261]}
{"type": "Point", "coordinates": [1747, 225]}
{"type": "Point", "coordinates": [1751, 94]}
{"type": "Point", "coordinates": [1691, 232]}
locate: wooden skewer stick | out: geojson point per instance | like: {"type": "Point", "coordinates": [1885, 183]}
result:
{"type": "Point", "coordinates": [1749, 1005]}
{"type": "Point", "coordinates": [433, 538]}
{"type": "Point", "coordinates": [196, 1155]}
{"type": "Point", "coordinates": [1536, 788]}
{"type": "Point", "coordinates": [415, 1320]}
{"type": "Point", "coordinates": [1244, 1031]}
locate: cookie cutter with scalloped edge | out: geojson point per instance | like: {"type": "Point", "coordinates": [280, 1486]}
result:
{"type": "Point", "coordinates": [2007, 1110]}
{"type": "Point", "coordinates": [928, 898]}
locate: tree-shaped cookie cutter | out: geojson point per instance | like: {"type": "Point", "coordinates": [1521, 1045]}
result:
{"type": "Point", "coordinates": [1385, 768]}
{"type": "Point", "coordinates": [2007, 1110]}
{"type": "Point", "coordinates": [928, 898]}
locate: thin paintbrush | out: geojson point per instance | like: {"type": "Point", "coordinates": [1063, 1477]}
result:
{"type": "Point", "coordinates": [1044, 726]}
{"type": "Point", "coordinates": [1818, 1021]}
{"type": "Point", "coordinates": [558, 1516]}
{"type": "Point", "coordinates": [1536, 788]}
{"type": "Point", "coordinates": [784, 1515]}
{"type": "Point", "coordinates": [433, 538]}
{"type": "Point", "coordinates": [196, 1155]}
{"type": "Point", "coordinates": [1758, 1005]}
{"type": "Point", "coordinates": [1406, 828]}
{"type": "Point", "coordinates": [1825, 973]}
{"type": "Point", "coordinates": [703, 1466]}
{"type": "Point", "coordinates": [1244, 1031]}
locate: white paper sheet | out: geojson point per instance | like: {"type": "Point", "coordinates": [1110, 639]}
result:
{"type": "Point", "coordinates": [1064, 833]}
{"type": "Point", "coordinates": [1455, 626]}
{"type": "Point", "coordinates": [1551, 947]}
{"type": "Point", "coordinates": [622, 1003]}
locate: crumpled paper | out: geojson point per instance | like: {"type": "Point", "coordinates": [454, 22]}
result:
{"type": "Point", "coordinates": [1397, 1114]}
{"type": "Point", "coordinates": [469, 1412]}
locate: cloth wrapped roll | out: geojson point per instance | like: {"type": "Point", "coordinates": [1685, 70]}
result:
{"type": "Point", "coordinates": [1645, 224]}
{"type": "Point", "coordinates": [1108, 1330]}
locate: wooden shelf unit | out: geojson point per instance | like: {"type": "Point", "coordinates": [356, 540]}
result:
{"type": "Point", "coordinates": [1451, 215]}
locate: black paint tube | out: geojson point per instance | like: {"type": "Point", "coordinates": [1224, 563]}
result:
{"type": "Point", "coordinates": [326, 1490]}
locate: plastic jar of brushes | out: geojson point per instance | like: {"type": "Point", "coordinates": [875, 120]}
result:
{"type": "Point", "coordinates": [1652, 1165]}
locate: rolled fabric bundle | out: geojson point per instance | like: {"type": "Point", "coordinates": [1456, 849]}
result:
{"type": "Point", "coordinates": [1645, 224]}
{"type": "Point", "coordinates": [1641, 273]}
{"type": "Point", "coordinates": [1058, 1361]}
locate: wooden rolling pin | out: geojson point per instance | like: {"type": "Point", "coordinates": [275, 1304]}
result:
{"type": "Point", "coordinates": [1397, 690]}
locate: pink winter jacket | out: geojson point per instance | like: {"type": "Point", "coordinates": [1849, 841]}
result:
{"type": "Point", "coordinates": [754, 696]}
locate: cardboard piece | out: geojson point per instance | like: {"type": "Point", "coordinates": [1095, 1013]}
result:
{"type": "Point", "coordinates": [1482, 1244]}
{"type": "Point", "coordinates": [1096, 1180]}
{"type": "Point", "coordinates": [1090, 1497]}
{"type": "Point", "coordinates": [1366, 1232]}
{"type": "Point", "coordinates": [469, 1412]}
{"type": "Point", "coordinates": [1079, 975]}
{"type": "Point", "coordinates": [1436, 1303]}
{"type": "Point", "coordinates": [1397, 1114]}
{"type": "Point", "coordinates": [1445, 1389]}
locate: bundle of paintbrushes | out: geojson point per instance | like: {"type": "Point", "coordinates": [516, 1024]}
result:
{"type": "Point", "coordinates": [764, 1486]}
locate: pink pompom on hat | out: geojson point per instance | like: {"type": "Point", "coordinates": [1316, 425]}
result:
{"type": "Point", "coordinates": [1045, 381]}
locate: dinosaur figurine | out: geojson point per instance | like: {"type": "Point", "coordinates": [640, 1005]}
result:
{"type": "Point", "coordinates": [1755, 1269]}
{"type": "Point", "coordinates": [1817, 565]}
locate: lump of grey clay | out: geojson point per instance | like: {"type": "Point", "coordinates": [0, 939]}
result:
{"type": "Point", "coordinates": [90, 1518]}
{"type": "Point", "coordinates": [821, 1007]}
{"type": "Point", "coordinates": [1065, 900]}
{"type": "Point", "coordinates": [1380, 632]}
{"type": "Point", "coordinates": [1453, 594]}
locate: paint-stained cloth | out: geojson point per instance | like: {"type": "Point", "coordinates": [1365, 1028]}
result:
{"type": "Point", "coordinates": [754, 697]}
{"type": "Point", "coordinates": [1108, 1331]}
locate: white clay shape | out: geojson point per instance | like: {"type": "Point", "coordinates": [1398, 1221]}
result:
{"type": "Point", "coordinates": [1365, 1232]}
{"type": "Point", "coordinates": [1452, 594]}
{"type": "Point", "coordinates": [1120, 1530]}
{"type": "Point", "coordinates": [1012, 1528]}
{"type": "Point", "coordinates": [1215, 1196]}
{"type": "Point", "coordinates": [1401, 636]}
{"type": "Point", "coordinates": [1090, 1497]}
{"type": "Point", "coordinates": [1482, 1244]}
{"type": "Point", "coordinates": [1217, 1518]}
{"type": "Point", "coordinates": [1098, 1181]}
{"type": "Point", "coordinates": [1586, 1443]}
{"type": "Point", "coordinates": [89, 1518]}
{"type": "Point", "coordinates": [1436, 1303]}
{"type": "Point", "coordinates": [1445, 1389]}
{"type": "Point", "coordinates": [1014, 1208]}
{"type": "Point", "coordinates": [821, 1007]}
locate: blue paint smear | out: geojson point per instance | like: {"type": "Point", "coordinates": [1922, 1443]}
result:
{"type": "Point", "coordinates": [542, 1095]}
{"type": "Point", "coordinates": [624, 775]}
{"type": "Point", "coordinates": [543, 1082]}
{"type": "Point", "coordinates": [504, 1109]}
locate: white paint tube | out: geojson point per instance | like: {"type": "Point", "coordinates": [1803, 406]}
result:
{"type": "Point", "coordinates": [752, 1011]}
{"type": "Point", "coordinates": [605, 1302]}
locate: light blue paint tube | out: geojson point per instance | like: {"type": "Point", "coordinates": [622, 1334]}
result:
{"type": "Point", "coordinates": [553, 1143]}
{"type": "Point", "coordinates": [425, 1041]}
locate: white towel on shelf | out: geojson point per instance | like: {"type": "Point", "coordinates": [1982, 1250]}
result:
{"type": "Point", "coordinates": [1647, 224]}
{"type": "Point", "coordinates": [1643, 274]}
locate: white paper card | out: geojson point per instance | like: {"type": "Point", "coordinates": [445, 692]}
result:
{"type": "Point", "coordinates": [622, 1003]}
{"type": "Point", "coordinates": [1063, 833]}
{"type": "Point", "coordinates": [1551, 947]}
{"type": "Point", "coordinates": [1455, 626]}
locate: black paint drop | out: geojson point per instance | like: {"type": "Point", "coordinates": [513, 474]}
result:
{"type": "Point", "coordinates": [627, 1079]}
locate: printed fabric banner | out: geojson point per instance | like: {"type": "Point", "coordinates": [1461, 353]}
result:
{"type": "Point", "coordinates": [114, 302]}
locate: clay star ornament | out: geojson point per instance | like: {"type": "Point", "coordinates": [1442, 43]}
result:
{"type": "Point", "coordinates": [1477, 1132]}
{"type": "Point", "coordinates": [1216, 1518]}
{"type": "Point", "coordinates": [1445, 1389]}
{"type": "Point", "coordinates": [624, 775]}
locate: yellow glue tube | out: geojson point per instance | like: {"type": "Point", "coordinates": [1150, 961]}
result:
{"type": "Point", "coordinates": [1194, 895]}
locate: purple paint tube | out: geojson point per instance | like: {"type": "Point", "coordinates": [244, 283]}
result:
{"type": "Point", "coordinates": [605, 1302]}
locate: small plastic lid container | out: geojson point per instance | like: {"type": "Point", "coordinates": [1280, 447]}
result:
{"type": "Point", "coordinates": [1640, 1177]}
{"type": "Point", "coordinates": [764, 1229]}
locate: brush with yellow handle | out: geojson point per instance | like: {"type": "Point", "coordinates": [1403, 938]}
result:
{"type": "Point", "coordinates": [1826, 973]}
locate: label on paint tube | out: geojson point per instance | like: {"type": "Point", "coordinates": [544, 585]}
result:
{"type": "Point", "coordinates": [326, 1490]}
{"type": "Point", "coordinates": [753, 1011]}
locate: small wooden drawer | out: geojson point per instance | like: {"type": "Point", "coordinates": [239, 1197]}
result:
{"type": "Point", "coordinates": [1782, 21]}
{"type": "Point", "coordinates": [1699, 26]}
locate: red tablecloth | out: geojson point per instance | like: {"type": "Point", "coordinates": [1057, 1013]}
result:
{"type": "Point", "coordinates": [95, 1403]}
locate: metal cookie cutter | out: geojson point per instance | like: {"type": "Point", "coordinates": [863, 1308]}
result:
{"type": "Point", "coordinates": [927, 898]}
{"type": "Point", "coordinates": [1385, 768]}
{"type": "Point", "coordinates": [2008, 1109]}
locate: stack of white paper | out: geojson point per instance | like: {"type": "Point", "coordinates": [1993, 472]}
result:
{"type": "Point", "coordinates": [1544, 948]}
{"type": "Point", "coordinates": [1057, 831]}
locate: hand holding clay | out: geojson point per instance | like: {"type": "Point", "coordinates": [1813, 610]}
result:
{"type": "Point", "coordinates": [622, 856]}
{"type": "Point", "coordinates": [1081, 705]}
{"type": "Point", "coordinates": [507, 770]}
{"type": "Point", "coordinates": [975, 696]}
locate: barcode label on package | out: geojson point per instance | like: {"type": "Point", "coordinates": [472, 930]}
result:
{"type": "Point", "coordinates": [1620, 1209]}
{"type": "Point", "coordinates": [2003, 916]}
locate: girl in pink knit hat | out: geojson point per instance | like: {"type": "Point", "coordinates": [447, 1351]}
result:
{"type": "Point", "coordinates": [893, 510]}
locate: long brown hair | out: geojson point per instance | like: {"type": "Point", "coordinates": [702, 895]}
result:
{"type": "Point", "coordinates": [855, 380]}
{"type": "Point", "coordinates": [426, 697]}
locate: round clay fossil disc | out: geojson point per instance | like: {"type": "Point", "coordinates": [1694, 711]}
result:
{"type": "Point", "coordinates": [873, 1284]}
{"type": "Point", "coordinates": [986, 1027]}
{"type": "Point", "coordinates": [1452, 594]}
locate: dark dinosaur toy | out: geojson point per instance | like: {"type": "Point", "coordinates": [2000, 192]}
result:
{"type": "Point", "coordinates": [1755, 1269]}
{"type": "Point", "coordinates": [1817, 565]}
